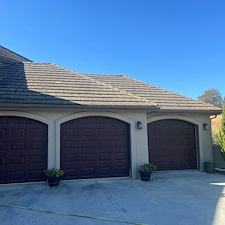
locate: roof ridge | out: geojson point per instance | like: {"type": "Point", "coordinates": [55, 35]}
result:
{"type": "Point", "coordinates": [15, 53]}
{"type": "Point", "coordinates": [103, 74]}
{"type": "Point", "coordinates": [32, 62]}
{"type": "Point", "coordinates": [115, 88]}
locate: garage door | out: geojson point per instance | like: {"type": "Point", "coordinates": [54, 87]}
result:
{"type": "Point", "coordinates": [171, 144]}
{"type": "Point", "coordinates": [94, 147]}
{"type": "Point", "coordinates": [23, 149]}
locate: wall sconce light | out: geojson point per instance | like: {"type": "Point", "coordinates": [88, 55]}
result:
{"type": "Point", "coordinates": [205, 126]}
{"type": "Point", "coordinates": [139, 125]}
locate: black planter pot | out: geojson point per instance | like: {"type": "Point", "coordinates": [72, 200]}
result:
{"type": "Point", "coordinates": [53, 181]}
{"type": "Point", "coordinates": [209, 168]}
{"type": "Point", "coordinates": [145, 176]}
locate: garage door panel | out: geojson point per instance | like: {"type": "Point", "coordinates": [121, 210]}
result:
{"type": "Point", "coordinates": [88, 172]}
{"type": "Point", "coordinates": [36, 133]}
{"type": "Point", "coordinates": [17, 146]}
{"type": "Point", "coordinates": [71, 132]}
{"type": "Point", "coordinates": [70, 158]}
{"type": "Point", "coordinates": [2, 133]}
{"type": "Point", "coordinates": [103, 144]}
{"type": "Point", "coordinates": [104, 171]}
{"type": "Point", "coordinates": [99, 147]}
{"type": "Point", "coordinates": [35, 175]}
{"type": "Point", "coordinates": [16, 176]}
{"type": "Point", "coordinates": [23, 150]}
{"type": "Point", "coordinates": [172, 144]}
{"type": "Point", "coordinates": [72, 172]}
{"type": "Point", "coordinates": [104, 157]}
{"type": "Point", "coordinates": [87, 157]}
{"type": "Point", "coordinates": [2, 177]}
{"type": "Point", "coordinates": [120, 170]}
{"type": "Point", "coordinates": [17, 133]}
{"type": "Point", "coordinates": [121, 156]}
{"type": "Point", "coordinates": [104, 132]}
{"type": "Point", "coordinates": [2, 162]}
{"type": "Point", "coordinates": [88, 144]}
{"type": "Point", "coordinates": [37, 159]}
{"type": "Point", "coordinates": [16, 160]}
{"type": "Point", "coordinates": [37, 145]}
{"type": "Point", "coordinates": [2, 147]}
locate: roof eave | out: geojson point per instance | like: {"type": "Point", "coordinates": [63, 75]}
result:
{"type": "Point", "coordinates": [76, 107]}
{"type": "Point", "coordinates": [173, 111]}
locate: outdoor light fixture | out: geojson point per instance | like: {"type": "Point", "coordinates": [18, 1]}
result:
{"type": "Point", "coordinates": [205, 126]}
{"type": "Point", "coordinates": [139, 125]}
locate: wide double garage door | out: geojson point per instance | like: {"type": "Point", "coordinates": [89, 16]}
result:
{"type": "Point", "coordinates": [23, 149]}
{"type": "Point", "coordinates": [95, 147]}
{"type": "Point", "coordinates": [172, 144]}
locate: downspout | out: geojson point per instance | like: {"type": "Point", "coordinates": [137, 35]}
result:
{"type": "Point", "coordinates": [213, 117]}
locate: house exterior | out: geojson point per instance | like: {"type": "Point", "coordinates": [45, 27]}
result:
{"type": "Point", "coordinates": [95, 126]}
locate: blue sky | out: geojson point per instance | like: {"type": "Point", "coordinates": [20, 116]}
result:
{"type": "Point", "coordinates": [178, 45]}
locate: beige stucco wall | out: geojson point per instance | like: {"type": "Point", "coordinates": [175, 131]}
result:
{"type": "Point", "coordinates": [139, 140]}
{"type": "Point", "coordinates": [205, 137]}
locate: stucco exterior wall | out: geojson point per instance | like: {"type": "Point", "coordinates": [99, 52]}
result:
{"type": "Point", "coordinates": [203, 138]}
{"type": "Point", "coordinates": [138, 137]}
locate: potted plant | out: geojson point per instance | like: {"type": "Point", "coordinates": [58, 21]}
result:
{"type": "Point", "coordinates": [209, 167]}
{"type": "Point", "coordinates": [146, 170]}
{"type": "Point", "coordinates": [54, 176]}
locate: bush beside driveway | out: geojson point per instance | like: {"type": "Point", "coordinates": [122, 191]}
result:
{"type": "Point", "coordinates": [176, 198]}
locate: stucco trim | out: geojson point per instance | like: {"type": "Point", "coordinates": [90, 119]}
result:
{"type": "Point", "coordinates": [131, 122]}
{"type": "Point", "coordinates": [201, 157]}
{"type": "Point", "coordinates": [48, 122]}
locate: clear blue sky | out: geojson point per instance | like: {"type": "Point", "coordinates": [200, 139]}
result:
{"type": "Point", "coordinates": [178, 45]}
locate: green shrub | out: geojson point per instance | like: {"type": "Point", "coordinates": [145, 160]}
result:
{"type": "Point", "coordinates": [220, 137]}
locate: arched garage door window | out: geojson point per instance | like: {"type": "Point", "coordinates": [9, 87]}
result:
{"type": "Point", "coordinates": [172, 144]}
{"type": "Point", "coordinates": [93, 147]}
{"type": "Point", "coordinates": [23, 149]}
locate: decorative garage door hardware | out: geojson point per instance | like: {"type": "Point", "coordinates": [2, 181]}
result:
{"type": "Point", "coordinates": [73, 215]}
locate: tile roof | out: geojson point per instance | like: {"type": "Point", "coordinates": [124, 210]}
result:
{"type": "Point", "coordinates": [23, 82]}
{"type": "Point", "coordinates": [167, 101]}
{"type": "Point", "coordinates": [46, 83]}
{"type": "Point", "coordinates": [8, 56]}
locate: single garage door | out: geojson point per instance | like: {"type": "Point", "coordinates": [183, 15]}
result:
{"type": "Point", "coordinates": [95, 147]}
{"type": "Point", "coordinates": [172, 145]}
{"type": "Point", "coordinates": [23, 149]}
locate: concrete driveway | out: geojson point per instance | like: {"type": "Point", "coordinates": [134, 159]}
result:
{"type": "Point", "coordinates": [176, 198]}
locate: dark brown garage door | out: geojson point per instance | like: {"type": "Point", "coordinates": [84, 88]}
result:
{"type": "Point", "coordinates": [23, 149]}
{"type": "Point", "coordinates": [94, 147]}
{"type": "Point", "coordinates": [171, 144]}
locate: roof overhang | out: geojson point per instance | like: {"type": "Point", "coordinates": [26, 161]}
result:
{"type": "Point", "coordinates": [63, 107]}
{"type": "Point", "coordinates": [208, 112]}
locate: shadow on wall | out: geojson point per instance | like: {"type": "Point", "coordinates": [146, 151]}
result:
{"type": "Point", "coordinates": [217, 158]}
